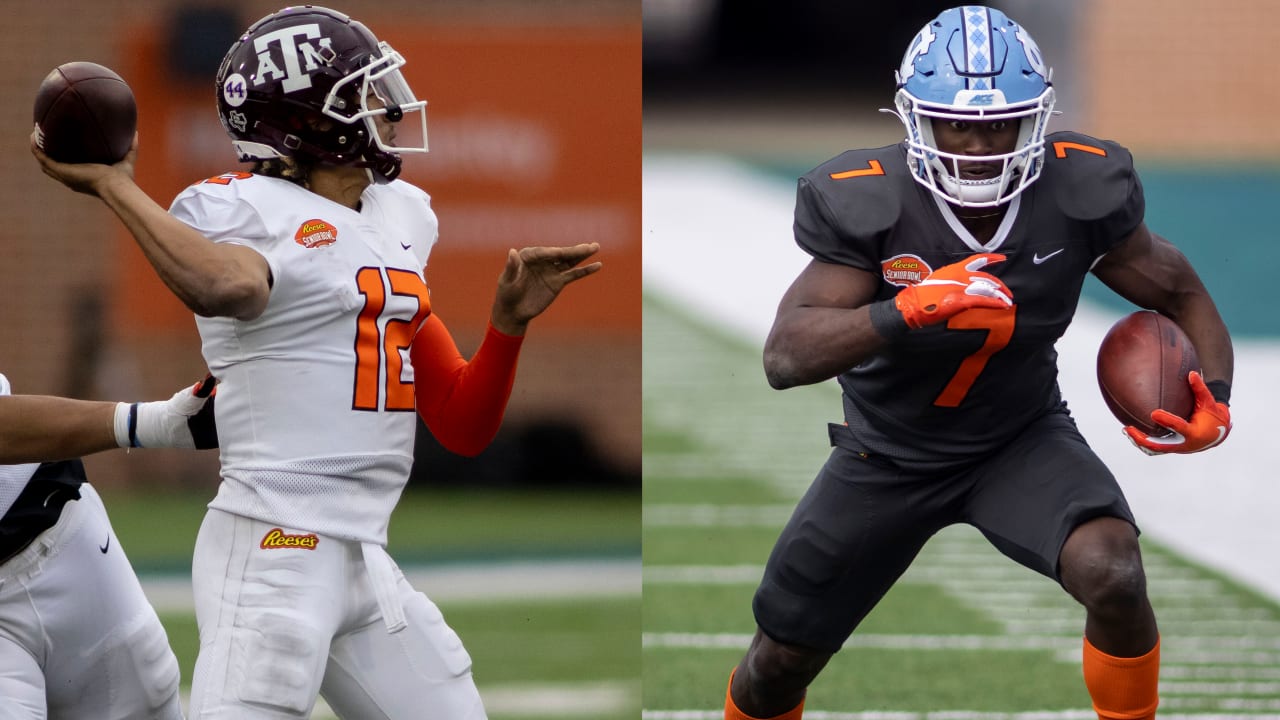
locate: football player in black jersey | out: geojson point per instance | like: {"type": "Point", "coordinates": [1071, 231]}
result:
{"type": "Point", "coordinates": [944, 269]}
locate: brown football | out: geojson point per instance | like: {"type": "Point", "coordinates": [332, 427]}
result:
{"type": "Point", "coordinates": [1143, 364]}
{"type": "Point", "coordinates": [85, 113]}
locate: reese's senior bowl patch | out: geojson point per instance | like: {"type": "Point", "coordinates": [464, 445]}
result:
{"type": "Point", "coordinates": [276, 539]}
{"type": "Point", "coordinates": [905, 270]}
{"type": "Point", "coordinates": [316, 233]}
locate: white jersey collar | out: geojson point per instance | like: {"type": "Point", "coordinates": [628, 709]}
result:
{"type": "Point", "coordinates": [967, 237]}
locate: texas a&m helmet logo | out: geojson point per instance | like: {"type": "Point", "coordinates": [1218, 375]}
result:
{"type": "Point", "coordinates": [316, 233]}
{"type": "Point", "coordinates": [905, 270]}
{"type": "Point", "coordinates": [300, 56]}
{"type": "Point", "coordinates": [294, 49]}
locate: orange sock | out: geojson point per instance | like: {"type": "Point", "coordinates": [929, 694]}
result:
{"type": "Point", "coordinates": [731, 711]}
{"type": "Point", "coordinates": [1122, 688]}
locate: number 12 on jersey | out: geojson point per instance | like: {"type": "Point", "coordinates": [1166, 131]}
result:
{"type": "Point", "coordinates": [379, 346]}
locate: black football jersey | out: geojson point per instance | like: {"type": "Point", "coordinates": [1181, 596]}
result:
{"type": "Point", "coordinates": [952, 391]}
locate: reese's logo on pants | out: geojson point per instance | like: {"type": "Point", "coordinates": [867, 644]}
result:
{"type": "Point", "coordinates": [277, 538]}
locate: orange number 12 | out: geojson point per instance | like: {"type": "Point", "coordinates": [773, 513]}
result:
{"type": "Point", "coordinates": [999, 326]}
{"type": "Point", "coordinates": [377, 349]}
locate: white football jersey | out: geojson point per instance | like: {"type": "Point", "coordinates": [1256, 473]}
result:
{"type": "Point", "coordinates": [315, 407]}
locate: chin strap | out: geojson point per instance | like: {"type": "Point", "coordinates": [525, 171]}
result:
{"type": "Point", "coordinates": [295, 144]}
{"type": "Point", "coordinates": [383, 166]}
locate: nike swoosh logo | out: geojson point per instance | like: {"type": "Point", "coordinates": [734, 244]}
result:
{"type": "Point", "coordinates": [103, 548]}
{"type": "Point", "coordinates": [406, 247]}
{"type": "Point", "coordinates": [1037, 259]}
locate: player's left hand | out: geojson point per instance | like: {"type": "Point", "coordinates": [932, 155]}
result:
{"type": "Point", "coordinates": [85, 178]}
{"type": "Point", "coordinates": [1209, 425]}
{"type": "Point", "coordinates": [183, 421]}
{"type": "Point", "coordinates": [532, 279]}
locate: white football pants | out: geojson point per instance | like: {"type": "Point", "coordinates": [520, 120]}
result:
{"type": "Point", "coordinates": [284, 617]}
{"type": "Point", "coordinates": [78, 639]}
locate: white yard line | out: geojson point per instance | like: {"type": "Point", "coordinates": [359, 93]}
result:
{"type": "Point", "coordinates": [561, 700]}
{"type": "Point", "coordinates": [953, 715]}
{"type": "Point", "coordinates": [1217, 649]}
{"type": "Point", "coordinates": [706, 515]}
{"type": "Point", "coordinates": [475, 582]}
{"type": "Point", "coordinates": [498, 582]}
{"type": "Point", "coordinates": [537, 700]}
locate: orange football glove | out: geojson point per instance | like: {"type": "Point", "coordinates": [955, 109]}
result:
{"type": "Point", "coordinates": [1209, 425]}
{"type": "Point", "coordinates": [952, 289]}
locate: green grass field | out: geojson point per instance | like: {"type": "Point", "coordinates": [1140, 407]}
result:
{"type": "Point", "coordinates": [159, 530]}
{"type": "Point", "coordinates": [545, 657]}
{"type": "Point", "coordinates": [965, 634]}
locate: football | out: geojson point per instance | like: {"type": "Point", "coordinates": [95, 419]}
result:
{"type": "Point", "coordinates": [85, 113]}
{"type": "Point", "coordinates": [1143, 364]}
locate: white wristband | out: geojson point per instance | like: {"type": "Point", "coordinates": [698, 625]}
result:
{"type": "Point", "coordinates": [126, 424]}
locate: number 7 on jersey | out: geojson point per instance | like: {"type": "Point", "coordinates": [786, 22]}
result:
{"type": "Point", "coordinates": [999, 325]}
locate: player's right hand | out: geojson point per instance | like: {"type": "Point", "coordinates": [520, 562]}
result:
{"type": "Point", "coordinates": [85, 178]}
{"type": "Point", "coordinates": [952, 289]}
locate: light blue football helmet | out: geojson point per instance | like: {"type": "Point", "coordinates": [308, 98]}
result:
{"type": "Point", "coordinates": [973, 63]}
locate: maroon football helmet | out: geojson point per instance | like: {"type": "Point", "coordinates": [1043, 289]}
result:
{"type": "Point", "coordinates": [309, 82]}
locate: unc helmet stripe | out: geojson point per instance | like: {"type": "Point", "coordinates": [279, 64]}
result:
{"type": "Point", "coordinates": [977, 43]}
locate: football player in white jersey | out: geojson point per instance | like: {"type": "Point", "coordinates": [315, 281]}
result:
{"type": "Point", "coordinates": [78, 639]}
{"type": "Point", "coordinates": [306, 275]}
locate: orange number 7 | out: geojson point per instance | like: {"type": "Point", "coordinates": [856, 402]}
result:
{"type": "Point", "coordinates": [999, 325]}
{"type": "Point", "coordinates": [374, 353]}
{"type": "Point", "coordinates": [1060, 149]}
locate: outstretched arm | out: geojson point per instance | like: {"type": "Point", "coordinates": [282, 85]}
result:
{"type": "Point", "coordinates": [43, 428]}
{"type": "Point", "coordinates": [462, 402]}
{"type": "Point", "coordinates": [40, 428]}
{"type": "Point", "coordinates": [532, 278]}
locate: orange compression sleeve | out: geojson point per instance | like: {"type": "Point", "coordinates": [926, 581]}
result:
{"type": "Point", "coordinates": [462, 402]}
{"type": "Point", "coordinates": [1122, 688]}
{"type": "Point", "coordinates": [732, 712]}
